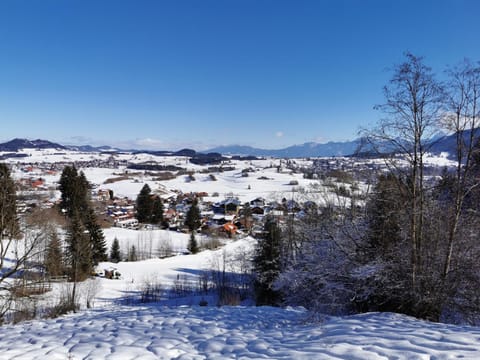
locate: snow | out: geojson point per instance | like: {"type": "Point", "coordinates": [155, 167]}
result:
{"type": "Point", "coordinates": [113, 330]}
{"type": "Point", "coordinates": [178, 328]}
{"type": "Point", "coordinates": [193, 332]}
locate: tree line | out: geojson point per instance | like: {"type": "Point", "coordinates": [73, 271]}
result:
{"type": "Point", "coordinates": [413, 247]}
{"type": "Point", "coordinates": [34, 240]}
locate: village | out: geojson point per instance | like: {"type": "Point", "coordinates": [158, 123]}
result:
{"type": "Point", "coordinates": [239, 212]}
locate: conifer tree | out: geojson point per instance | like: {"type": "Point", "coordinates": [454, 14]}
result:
{"type": "Point", "coordinates": [192, 218]}
{"type": "Point", "coordinates": [75, 200]}
{"type": "Point", "coordinates": [192, 244]}
{"type": "Point", "coordinates": [192, 221]}
{"type": "Point", "coordinates": [79, 252]}
{"type": "Point", "coordinates": [144, 204]}
{"type": "Point", "coordinates": [115, 255]}
{"type": "Point", "coordinates": [97, 238]}
{"type": "Point", "coordinates": [8, 208]}
{"type": "Point", "coordinates": [74, 188]}
{"type": "Point", "coordinates": [132, 254]}
{"type": "Point", "coordinates": [267, 263]}
{"type": "Point", "coordinates": [157, 211]}
{"type": "Point", "coordinates": [386, 209]}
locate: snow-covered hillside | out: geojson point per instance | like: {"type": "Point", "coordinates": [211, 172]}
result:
{"type": "Point", "coordinates": [153, 332]}
{"type": "Point", "coordinates": [112, 330]}
{"type": "Point", "coordinates": [177, 327]}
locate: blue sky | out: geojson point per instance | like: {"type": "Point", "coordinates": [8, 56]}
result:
{"type": "Point", "coordinates": [201, 73]}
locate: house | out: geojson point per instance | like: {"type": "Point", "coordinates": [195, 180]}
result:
{"type": "Point", "coordinates": [230, 205]}
{"type": "Point", "coordinates": [258, 202]}
{"type": "Point", "coordinates": [103, 194]}
{"type": "Point", "coordinates": [127, 224]}
{"type": "Point", "coordinates": [37, 183]}
{"type": "Point", "coordinates": [230, 229]}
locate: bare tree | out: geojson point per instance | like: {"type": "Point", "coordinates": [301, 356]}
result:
{"type": "Point", "coordinates": [412, 108]}
{"type": "Point", "coordinates": [463, 97]}
{"type": "Point", "coordinates": [19, 242]}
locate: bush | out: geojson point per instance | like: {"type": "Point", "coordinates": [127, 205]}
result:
{"type": "Point", "coordinates": [229, 298]}
{"type": "Point", "coordinates": [65, 304]}
{"type": "Point", "coordinates": [150, 291]}
{"type": "Point", "coordinates": [211, 243]}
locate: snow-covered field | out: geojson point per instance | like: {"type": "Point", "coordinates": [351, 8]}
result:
{"type": "Point", "coordinates": [112, 330]}
{"type": "Point", "coordinates": [153, 332]}
{"type": "Point", "coordinates": [178, 328]}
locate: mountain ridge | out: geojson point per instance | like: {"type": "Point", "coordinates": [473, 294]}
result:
{"type": "Point", "coordinates": [308, 149]}
{"type": "Point", "coordinates": [18, 143]}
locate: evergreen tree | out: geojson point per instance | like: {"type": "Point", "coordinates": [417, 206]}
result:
{"type": "Point", "coordinates": [115, 255]}
{"type": "Point", "coordinates": [267, 263]}
{"type": "Point", "coordinates": [79, 252]}
{"type": "Point", "coordinates": [54, 256]}
{"type": "Point", "coordinates": [144, 204]}
{"type": "Point", "coordinates": [192, 218]}
{"type": "Point", "coordinates": [75, 201]}
{"type": "Point", "coordinates": [157, 211]}
{"type": "Point", "coordinates": [192, 244]}
{"type": "Point", "coordinates": [8, 208]}
{"type": "Point", "coordinates": [74, 188]}
{"type": "Point", "coordinates": [132, 254]}
{"type": "Point", "coordinates": [97, 238]}
{"type": "Point", "coordinates": [386, 209]}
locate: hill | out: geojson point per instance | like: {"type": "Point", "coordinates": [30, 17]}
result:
{"type": "Point", "coordinates": [18, 144]}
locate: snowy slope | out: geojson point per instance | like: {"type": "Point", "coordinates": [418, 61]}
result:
{"type": "Point", "coordinates": [233, 333]}
{"type": "Point", "coordinates": [114, 331]}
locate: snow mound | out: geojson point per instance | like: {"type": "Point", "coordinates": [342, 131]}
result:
{"type": "Point", "coordinates": [154, 332]}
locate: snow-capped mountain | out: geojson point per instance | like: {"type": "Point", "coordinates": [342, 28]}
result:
{"type": "Point", "coordinates": [17, 144]}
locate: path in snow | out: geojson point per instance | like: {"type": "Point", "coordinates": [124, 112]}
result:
{"type": "Point", "coordinates": [234, 332]}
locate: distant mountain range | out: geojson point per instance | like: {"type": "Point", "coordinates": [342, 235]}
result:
{"type": "Point", "coordinates": [309, 149]}
{"type": "Point", "coordinates": [17, 144]}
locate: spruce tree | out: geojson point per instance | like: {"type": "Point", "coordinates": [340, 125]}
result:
{"type": "Point", "coordinates": [192, 218]}
{"type": "Point", "coordinates": [74, 189]}
{"type": "Point", "coordinates": [385, 212]}
{"type": "Point", "coordinates": [97, 238]}
{"type": "Point", "coordinates": [267, 263]}
{"type": "Point", "coordinates": [115, 255]}
{"type": "Point", "coordinates": [79, 252]}
{"type": "Point", "coordinates": [192, 244]}
{"type": "Point", "coordinates": [157, 211]}
{"type": "Point", "coordinates": [144, 204]}
{"type": "Point", "coordinates": [75, 201]}
{"type": "Point", "coordinates": [132, 254]}
{"type": "Point", "coordinates": [8, 209]}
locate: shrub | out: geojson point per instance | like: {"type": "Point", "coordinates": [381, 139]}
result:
{"type": "Point", "coordinates": [211, 243]}
{"type": "Point", "coordinates": [151, 290]}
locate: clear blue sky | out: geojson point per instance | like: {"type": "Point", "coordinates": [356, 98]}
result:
{"type": "Point", "coordinates": [201, 73]}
